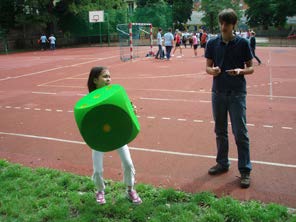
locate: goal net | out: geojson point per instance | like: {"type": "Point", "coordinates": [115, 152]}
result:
{"type": "Point", "coordinates": [135, 40]}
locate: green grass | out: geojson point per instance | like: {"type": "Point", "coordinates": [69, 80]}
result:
{"type": "Point", "coordinates": [49, 195]}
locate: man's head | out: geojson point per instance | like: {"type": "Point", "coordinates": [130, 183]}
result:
{"type": "Point", "coordinates": [227, 20]}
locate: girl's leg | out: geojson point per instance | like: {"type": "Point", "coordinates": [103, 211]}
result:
{"type": "Point", "coordinates": [97, 176]}
{"type": "Point", "coordinates": [127, 165]}
{"type": "Point", "coordinates": [129, 174]}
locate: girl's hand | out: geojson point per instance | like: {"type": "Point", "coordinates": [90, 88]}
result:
{"type": "Point", "coordinates": [135, 108]}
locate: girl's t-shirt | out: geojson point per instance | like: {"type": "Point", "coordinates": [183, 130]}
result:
{"type": "Point", "coordinates": [194, 38]}
{"type": "Point", "coordinates": [178, 39]}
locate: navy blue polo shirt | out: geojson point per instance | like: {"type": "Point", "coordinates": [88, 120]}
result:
{"type": "Point", "coordinates": [229, 56]}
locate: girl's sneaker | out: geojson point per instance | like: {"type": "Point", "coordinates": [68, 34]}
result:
{"type": "Point", "coordinates": [100, 197]}
{"type": "Point", "coordinates": [134, 197]}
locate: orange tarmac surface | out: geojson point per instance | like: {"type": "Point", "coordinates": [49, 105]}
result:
{"type": "Point", "coordinates": [176, 145]}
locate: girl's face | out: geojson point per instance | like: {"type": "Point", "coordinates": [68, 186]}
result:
{"type": "Point", "coordinates": [103, 80]}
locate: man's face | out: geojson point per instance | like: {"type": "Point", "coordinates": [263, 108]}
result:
{"type": "Point", "coordinates": [225, 28]}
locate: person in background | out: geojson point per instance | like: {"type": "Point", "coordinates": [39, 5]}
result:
{"type": "Point", "coordinates": [195, 43]}
{"type": "Point", "coordinates": [178, 43]}
{"type": "Point", "coordinates": [52, 41]}
{"type": "Point", "coordinates": [253, 46]}
{"type": "Point", "coordinates": [159, 43]}
{"type": "Point", "coordinates": [43, 41]}
{"type": "Point", "coordinates": [168, 43]}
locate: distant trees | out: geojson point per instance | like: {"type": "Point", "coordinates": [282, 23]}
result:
{"type": "Point", "coordinates": [269, 12]}
{"type": "Point", "coordinates": [212, 8]}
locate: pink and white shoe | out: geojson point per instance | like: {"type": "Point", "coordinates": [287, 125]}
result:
{"type": "Point", "coordinates": [134, 197]}
{"type": "Point", "coordinates": [100, 197]}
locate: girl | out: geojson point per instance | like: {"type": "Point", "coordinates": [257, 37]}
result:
{"type": "Point", "coordinates": [195, 43]}
{"type": "Point", "coordinates": [99, 77]}
{"type": "Point", "coordinates": [178, 43]}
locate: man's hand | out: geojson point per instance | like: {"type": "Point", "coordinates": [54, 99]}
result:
{"type": "Point", "coordinates": [235, 72]}
{"type": "Point", "coordinates": [216, 71]}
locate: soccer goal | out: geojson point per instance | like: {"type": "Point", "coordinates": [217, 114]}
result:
{"type": "Point", "coordinates": [135, 40]}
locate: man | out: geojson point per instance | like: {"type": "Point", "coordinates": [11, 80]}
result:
{"type": "Point", "coordinates": [168, 42]}
{"type": "Point", "coordinates": [159, 43]}
{"type": "Point", "coordinates": [253, 46]}
{"type": "Point", "coordinates": [229, 59]}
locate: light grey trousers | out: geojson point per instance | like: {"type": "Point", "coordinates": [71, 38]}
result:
{"type": "Point", "coordinates": [126, 162]}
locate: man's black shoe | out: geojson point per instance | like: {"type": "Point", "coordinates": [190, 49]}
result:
{"type": "Point", "coordinates": [245, 180]}
{"type": "Point", "coordinates": [218, 169]}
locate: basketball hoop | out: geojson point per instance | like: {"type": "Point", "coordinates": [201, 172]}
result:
{"type": "Point", "coordinates": [96, 16]}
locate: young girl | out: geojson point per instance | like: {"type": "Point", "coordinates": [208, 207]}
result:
{"type": "Point", "coordinates": [99, 77]}
{"type": "Point", "coordinates": [178, 43]}
{"type": "Point", "coordinates": [195, 44]}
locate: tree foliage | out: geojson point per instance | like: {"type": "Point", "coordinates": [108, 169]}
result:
{"type": "Point", "coordinates": [159, 13]}
{"type": "Point", "coordinates": [181, 10]}
{"type": "Point", "coordinates": [269, 12]}
{"type": "Point", "coordinates": [212, 8]}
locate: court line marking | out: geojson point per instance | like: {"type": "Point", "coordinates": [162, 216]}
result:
{"type": "Point", "coordinates": [45, 93]}
{"type": "Point", "coordinates": [149, 150]}
{"type": "Point", "coordinates": [270, 76]}
{"type": "Point", "coordinates": [155, 77]}
{"type": "Point", "coordinates": [148, 117]}
{"type": "Point", "coordinates": [207, 92]}
{"type": "Point", "coordinates": [60, 67]}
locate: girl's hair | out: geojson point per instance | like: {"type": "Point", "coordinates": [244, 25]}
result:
{"type": "Point", "coordinates": [95, 72]}
{"type": "Point", "coordinates": [228, 15]}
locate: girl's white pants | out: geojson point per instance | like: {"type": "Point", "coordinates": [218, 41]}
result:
{"type": "Point", "coordinates": [126, 162]}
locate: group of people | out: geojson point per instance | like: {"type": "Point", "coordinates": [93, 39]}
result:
{"type": "Point", "coordinates": [176, 41]}
{"type": "Point", "coordinates": [195, 40]}
{"type": "Point", "coordinates": [228, 60]}
{"type": "Point", "coordinates": [43, 42]}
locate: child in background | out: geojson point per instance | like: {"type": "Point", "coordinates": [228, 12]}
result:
{"type": "Point", "coordinates": [100, 77]}
{"type": "Point", "coordinates": [195, 44]}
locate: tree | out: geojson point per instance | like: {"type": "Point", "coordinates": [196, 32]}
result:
{"type": "Point", "coordinates": [260, 13]}
{"type": "Point", "coordinates": [73, 15]}
{"type": "Point", "coordinates": [182, 10]}
{"type": "Point", "coordinates": [212, 8]}
{"type": "Point", "coordinates": [269, 12]}
{"type": "Point", "coordinates": [7, 14]}
{"type": "Point", "coordinates": [34, 14]}
{"type": "Point", "coordinates": [159, 13]}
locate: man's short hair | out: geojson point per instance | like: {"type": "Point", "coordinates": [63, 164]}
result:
{"type": "Point", "coordinates": [228, 15]}
{"type": "Point", "coordinates": [159, 29]}
{"type": "Point", "coordinates": [170, 29]}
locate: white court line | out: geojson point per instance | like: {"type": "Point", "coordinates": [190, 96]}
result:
{"type": "Point", "coordinates": [209, 92]}
{"type": "Point", "coordinates": [171, 100]}
{"type": "Point", "coordinates": [270, 75]}
{"type": "Point", "coordinates": [60, 67]}
{"type": "Point", "coordinates": [45, 93]}
{"type": "Point", "coordinates": [287, 128]}
{"type": "Point", "coordinates": [150, 150]}
{"type": "Point", "coordinates": [198, 121]}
